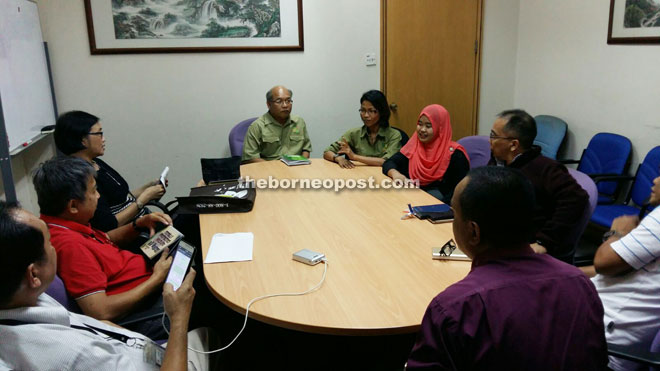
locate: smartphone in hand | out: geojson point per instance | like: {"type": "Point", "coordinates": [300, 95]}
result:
{"type": "Point", "coordinates": [183, 258]}
{"type": "Point", "coordinates": [163, 176]}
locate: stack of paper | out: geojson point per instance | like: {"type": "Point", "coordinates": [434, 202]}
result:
{"type": "Point", "coordinates": [230, 247]}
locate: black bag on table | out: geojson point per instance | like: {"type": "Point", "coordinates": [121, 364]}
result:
{"type": "Point", "coordinates": [232, 196]}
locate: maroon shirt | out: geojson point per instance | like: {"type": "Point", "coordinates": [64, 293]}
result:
{"type": "Point", "coordinates": [560, 202]}
{"type": "Point", "coordinates": [515, 310]}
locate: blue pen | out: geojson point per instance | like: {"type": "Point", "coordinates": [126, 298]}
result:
{"type": "Point", "coordinates": [409, 215]}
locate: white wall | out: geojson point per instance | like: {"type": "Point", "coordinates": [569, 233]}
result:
{"type": "Point", "coordinates": [549, 57]}
{"type": "Point", "coordinates": [565, 68]}
{"type": "Point", "coordinates": [172, 109]}
{"type": "Point", "coordinates": [22, 165]}
{"type": "Point", "coordinates": [499, 48]}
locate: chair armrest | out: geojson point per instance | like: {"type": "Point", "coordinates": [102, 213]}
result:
{"type": "Point", "coordinates": [169, 204]}
{"type": "Point", "coordinates": [166, 208]}
{"type": "Point", "coordinates": [632, 353]}
{"type": "Point", "coordinates": [611, 178]}
{"type": "Point", "coordinates": [158, 205]}
{"type": "Point", "coordinates": [568, 161]}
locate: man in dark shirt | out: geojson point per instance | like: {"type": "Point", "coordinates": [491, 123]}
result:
{"type": "Point", "coordinates": [515, 310]}
{"type": "Point", "coordinates": [560, 200]}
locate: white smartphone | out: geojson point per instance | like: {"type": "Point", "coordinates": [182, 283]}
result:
{"type": "Point", "coordinates": [163, 176]}
{"type": "Point", "coordinates": [183, 258]}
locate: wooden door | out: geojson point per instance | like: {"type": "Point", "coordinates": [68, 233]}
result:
{"type": "Point", "coordinates": [430, 54]}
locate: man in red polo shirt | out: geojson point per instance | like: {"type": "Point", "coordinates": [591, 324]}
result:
{"type": "Point", "coordinates": [107, 282]}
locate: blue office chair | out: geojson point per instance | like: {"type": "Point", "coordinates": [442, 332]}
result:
{"type": "Point", "coordinates": [606, 155]}
{"type": "Point", "coordinates": [639, 192]}
{"type": "Point", "coordinates": [550, 133]}
{"type": "Point", "coordinates": [478, 149]}
{"type": "Point", "coordinates": [237, 136]}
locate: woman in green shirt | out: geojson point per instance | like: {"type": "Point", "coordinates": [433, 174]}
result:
{"type": "Point", "coordinates": [371, 144]}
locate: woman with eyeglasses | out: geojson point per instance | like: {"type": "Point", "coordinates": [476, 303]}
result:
{"type": "Point", "coordinates": [430, 156]}
{"type": "Point", "coordinates": [80, 134]}
{"type": "Point", "coordinates": [371, 144]}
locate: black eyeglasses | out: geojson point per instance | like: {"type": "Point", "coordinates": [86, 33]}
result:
{"type": "Point", "coordinates": [495, 136]}
{"type": "Point", "coordinates": [99, 133]}
{"type": "Point", "coordinates": [448, 248]}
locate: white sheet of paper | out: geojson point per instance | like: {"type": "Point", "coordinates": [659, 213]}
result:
{"type": "Point", "coordinates": [230, 247]}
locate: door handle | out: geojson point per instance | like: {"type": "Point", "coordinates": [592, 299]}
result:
{"type": "Point", "coordinates": [393, 107]}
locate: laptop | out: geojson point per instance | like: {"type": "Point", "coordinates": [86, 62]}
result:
{"type": "Point", "coordinates": [220, 169]}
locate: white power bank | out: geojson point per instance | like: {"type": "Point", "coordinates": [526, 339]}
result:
{"type": "Point", "coordinates": [308, 257]}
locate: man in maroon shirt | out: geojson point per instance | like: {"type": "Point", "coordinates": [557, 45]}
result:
{"type": "Point", "coordinates": [107, 282]}
{"type": "Point", "coordinates": [515, 310]}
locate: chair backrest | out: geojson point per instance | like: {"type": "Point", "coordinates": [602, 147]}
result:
{"type": "Point", "coordinates": [550, 133]}
{"type": "Point", "coordinates": [647, 171]}
{"type": "Point", "coordinates": [57, 291]}
{"type": "Point", "coordinates": [655, 345]}
{"type": "Point", "coordinates": [404, 136]}
{"type": "Point", "coordinates": [237, 136]}
{"type": "Point", "coordinates": [589, 186]}
{"type": "Point", "coordinates": [606, 153]}
{"type": "Point", "coordinates": [478, 149]}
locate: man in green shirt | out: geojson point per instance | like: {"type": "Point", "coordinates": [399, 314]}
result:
{"type": "Point", "coordinates": [277, 132]}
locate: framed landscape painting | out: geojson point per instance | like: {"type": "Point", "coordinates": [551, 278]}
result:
{"type": "Point", "coordinates": [175, 26]}
{"type": "Point", "coordinates": [634, 22]}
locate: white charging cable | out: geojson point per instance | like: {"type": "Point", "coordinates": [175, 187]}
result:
{"type": "Point", "coordinates": [247, 310]}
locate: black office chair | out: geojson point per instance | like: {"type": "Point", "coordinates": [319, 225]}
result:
{"type": "Point", "coordinates": [168, 208]}
{"type": "Point", "coordinates": [404, 136]}
{"type": "Point", "coordinates": [647, 357]}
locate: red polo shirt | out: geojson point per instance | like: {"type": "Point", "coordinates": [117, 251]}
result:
{"type": "Point", "coordinates": [88, 262]}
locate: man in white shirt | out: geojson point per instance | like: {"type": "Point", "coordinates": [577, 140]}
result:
{"type": "Point", "coordinates": [628, 280]}
{"type": "Point", "coordinates": [38, 333]}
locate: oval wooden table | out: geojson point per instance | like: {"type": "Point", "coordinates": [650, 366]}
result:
{"type": "Point", "coordinates": [380, 278]}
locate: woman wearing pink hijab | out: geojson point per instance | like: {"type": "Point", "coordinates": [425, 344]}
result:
{"type": "Point", "coordinates": [430, 156]}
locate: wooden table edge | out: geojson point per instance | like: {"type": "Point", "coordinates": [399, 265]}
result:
{"type": "Point", "coordinates": [315, 329]}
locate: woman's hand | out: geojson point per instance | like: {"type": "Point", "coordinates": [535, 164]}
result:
{"type": "Point", "coordinates": [398, 177]}
{"type": "Point", "coordinates": [153, 192]}
{"type": "Point", "coordinates": [345, 149]}
{"type": "Point", "coordinates": [344, 163]}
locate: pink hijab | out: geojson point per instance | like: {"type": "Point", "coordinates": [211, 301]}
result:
{"type": "Point", "coordinates": [428, 162]}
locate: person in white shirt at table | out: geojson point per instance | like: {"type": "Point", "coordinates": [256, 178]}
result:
{"type": "Point", "coordinates": [37, 333]}
{"type": "Point", "coordinates": [628, 280]}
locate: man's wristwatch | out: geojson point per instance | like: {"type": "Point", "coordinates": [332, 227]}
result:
{"type": "Point", "coordinates": [610, 233]}
{"type": "Point", "coordinates": [334, 158]}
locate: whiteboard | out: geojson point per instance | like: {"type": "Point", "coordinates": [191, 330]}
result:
{"type": "Point", "coordinates": [27, 103]}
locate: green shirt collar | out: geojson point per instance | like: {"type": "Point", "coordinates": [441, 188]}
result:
{"type": "Point", "coordinates": [381, 131]}
{"type": "Point", "coordinates": [271, 120]}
